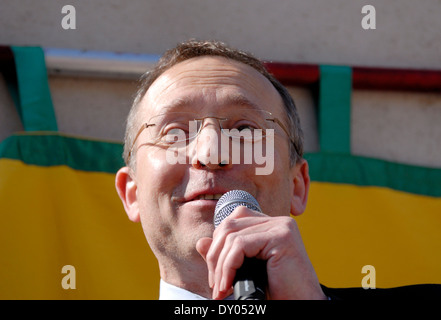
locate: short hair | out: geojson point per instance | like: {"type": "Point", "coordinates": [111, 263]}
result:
{"type": "Point", "coordinates": [192, 49]}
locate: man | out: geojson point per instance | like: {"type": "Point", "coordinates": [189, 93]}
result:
{"type": "Point", "coordinates": [174, 201]}
{"type": "Point", "coordinates": [220, 92]}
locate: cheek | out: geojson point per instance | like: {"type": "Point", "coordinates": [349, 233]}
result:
{"type": "Point", "coordinates": [276, 188]}
{"type": "Point", "coordinates": [157, 179]}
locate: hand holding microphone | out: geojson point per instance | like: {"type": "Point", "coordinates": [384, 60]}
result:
{"type": "Point", "coordinates": [243, 232]}
{"type": "Point", "coordinates": [251, 278]}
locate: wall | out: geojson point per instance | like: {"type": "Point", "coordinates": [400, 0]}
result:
{"type": "Point", "coordinates": [397, 126]}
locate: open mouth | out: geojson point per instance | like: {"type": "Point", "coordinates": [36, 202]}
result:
{"type": "Point", "coordinates": [208, 196]}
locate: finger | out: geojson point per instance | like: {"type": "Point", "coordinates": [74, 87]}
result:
{"type": "Point", "coordinates": [246, 243]}
{"type": "Point", "coordinates": [241, 218]}
{"type": "Point", "coordinates": [224, 276]}
{"type": "Point", "coordinates": [243, 214]}
{"type": "Point", "coordinates": [223, 241]}
{"type": "Point", "coordinates": [203, 245]}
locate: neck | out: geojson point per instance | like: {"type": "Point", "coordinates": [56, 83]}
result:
{"type": "Point", "coordinates": [189, 276]}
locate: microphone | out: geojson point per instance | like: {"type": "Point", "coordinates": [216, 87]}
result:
{"type": "Point", "coordinates": [251, 278]}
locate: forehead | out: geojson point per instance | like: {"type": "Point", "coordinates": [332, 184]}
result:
{"type": "Point", "coordinates": [206, 84]}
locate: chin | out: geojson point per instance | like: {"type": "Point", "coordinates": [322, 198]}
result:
{"type": "Point", "coordinates": [204, 229]}
{"type": "Point", "coordinates": [190, 238]}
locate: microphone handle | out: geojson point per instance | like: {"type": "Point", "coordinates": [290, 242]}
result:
{"type": "Point", "coordinates": [251, 280]}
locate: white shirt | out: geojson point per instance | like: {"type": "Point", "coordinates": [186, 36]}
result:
{"type": "Point", "coordinates": [168, 291]}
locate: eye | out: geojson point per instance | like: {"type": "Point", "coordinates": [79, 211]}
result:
{"type": "Point", "coordinates": [174, 132]}
{"type": "Point", "coordinates": [245, 125]}
{"type": "Point", "coordinates": [243, 130]}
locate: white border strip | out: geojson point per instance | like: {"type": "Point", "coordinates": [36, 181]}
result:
{"type": "Point", "coordinates": [97, 63]}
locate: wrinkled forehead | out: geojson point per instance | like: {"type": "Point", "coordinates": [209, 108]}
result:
{"type": "Point", "coordinates": [210, 84]}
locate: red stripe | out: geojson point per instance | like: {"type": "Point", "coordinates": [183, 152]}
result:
{"type": "Point", "coordinates": [362, 77]}
{"type": "Point", "coordinates": [294, 74]}
{"type": "Point", "coordinates": [396, 79]}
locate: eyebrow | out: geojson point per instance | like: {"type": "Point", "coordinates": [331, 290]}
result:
{"type": "Point", "coordinates": [241, 100]}
{"type": "Point", "coordinates": [182, 104]}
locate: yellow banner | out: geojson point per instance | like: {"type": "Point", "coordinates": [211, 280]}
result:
{"type": "Point", "coordinates": [56, 216]}
{"type": "Point", "coordinates": [347, 227]}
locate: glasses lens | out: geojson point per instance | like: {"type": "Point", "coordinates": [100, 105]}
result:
{"type": "Point", "coordinates": [172, 127]}
{"type": "Point", "coordinates": [245, 124]}
{"type": "Point", "coordinates": [248, 124]}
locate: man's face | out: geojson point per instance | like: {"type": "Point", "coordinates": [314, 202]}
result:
{"type": "Point", "coordinates": [170, 197]}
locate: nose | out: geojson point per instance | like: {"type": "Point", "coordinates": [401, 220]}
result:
{"type": "Point", "coordinates": [211, 147]}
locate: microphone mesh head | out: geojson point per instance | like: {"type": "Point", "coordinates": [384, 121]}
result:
{"type": "Point", "coordinates": [230, 200]}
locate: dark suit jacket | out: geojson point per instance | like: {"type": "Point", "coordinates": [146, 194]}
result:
{"type": "Point", "coordinates": [418, 292]}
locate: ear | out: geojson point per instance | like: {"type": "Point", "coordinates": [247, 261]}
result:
{"type": "Point", "coordinates": [301, 181]}
{"type": "Point", "coordinates": [127, 191]}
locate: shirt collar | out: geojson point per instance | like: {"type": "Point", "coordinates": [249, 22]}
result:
{"type": "Point", "coordinates": [168, 291]}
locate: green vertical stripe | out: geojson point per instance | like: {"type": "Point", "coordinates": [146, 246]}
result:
{"type": "Point", "coordinates": [335, 109]}
{"type": "Point", "coordinates": [34, 98]}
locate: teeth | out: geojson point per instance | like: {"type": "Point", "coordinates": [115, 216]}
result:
{"type": "Point", "coordinates": [209, 196]}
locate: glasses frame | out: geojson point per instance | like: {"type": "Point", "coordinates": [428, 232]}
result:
{"type": "Point", "coordinates": [273, 119]}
